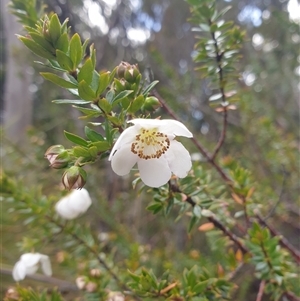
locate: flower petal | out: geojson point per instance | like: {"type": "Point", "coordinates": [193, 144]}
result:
{"type": "Point", "coordinates": [123, 160]}
{"type": "Point", "coordinates": [64, 210]}
{"type": "Point", "coordinates": [174, 127]}
{"type": "Point", "coordinates": [30, 259]}
{"type": "Point", "coordinates": [154, 172]}
{"type": "Point", "coordinates": [19, 271]}
{"type": "Point", "coordinates": [126, 137]}
{"type": "Point", "coordinates": [166, 126]}
{"type": "Point", "coordinates": [79, 200]}
{"type": "Point", "coordinates": [179, 159]}
{"type": "Point", "coordinates": [46, 265]}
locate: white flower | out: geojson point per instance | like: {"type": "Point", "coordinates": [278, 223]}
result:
{"type": "Point", "coordinates": [29, 264]}
{"type": "Point", "coordinates": [151, 144]}
{"type": "Point", "coordinates": [73, 204]}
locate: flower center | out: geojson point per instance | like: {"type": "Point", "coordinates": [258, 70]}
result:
{"type": "Point", "coordinates": [150, 144]}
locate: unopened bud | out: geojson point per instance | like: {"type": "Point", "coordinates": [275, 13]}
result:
{"type": "Point", "coordinates": [74, 178]}
{"type": "Point", "coordinates": [91, 287]}
{"type": "Point", "coordinates": [12, 294]}
{"type": "Point", "coordinates": [57, 156]}
{"type": "Point", "coordinates": [131, 73]}
{"type": "Point", "coordinates": [115, 296]}
{"type": "Point", "coordinates": [151, 104]}
{"type": "Point", "coordinates": [80, 282]}
{"type": "Point", "coordinates": [95, 272]}
{"type": "Point", "coordinates": [121, 69]}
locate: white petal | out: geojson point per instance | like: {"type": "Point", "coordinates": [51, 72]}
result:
{"type": "Point", "coordinates": [46, 265]}
{"type": "Point", "coordinates": [32, 269]}
{"type": "Point", "coordinates": [154, 172]}
{"type": "Point", "coordinates": [123, 160]}
{"type": "Point", "coordinates": [179, 159]}
{"type": "Point", "coordinates": [126, 137]}
{"type": "Point", "coordinates": [170, 126]}
{"type": "Point", "coordinates": [64, 210]}
{"type": "Point", "coordinates": [79, 200]}
{"type": "Point", "coordinates": [19, 271]}
{"type": "Point", "coordinates": [30, 259]}
{"type": "Point", "coordinates": [166, 126]}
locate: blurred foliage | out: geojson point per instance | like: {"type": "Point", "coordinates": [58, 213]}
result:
{"type": "Point", "coordinates": [172, 250]}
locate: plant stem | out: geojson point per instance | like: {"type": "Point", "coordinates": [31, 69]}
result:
{"type": "Point", "coordinates": [261, 290]}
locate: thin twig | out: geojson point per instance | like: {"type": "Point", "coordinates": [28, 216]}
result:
{"type": "Point", "coordinates": [290, 296]}
{"type": "Point", "coordinates": [216, 222]}
{"type": "Point", "coordinates": [228, 233]}
{"type": "Point", "coordinates": [222, 137]}
{"type": "Point", "coordinates": [282, 240]}
{"type": "Point", "coordinates": [100, 260]}
{"type": "Point", "coordinates": [279, 197]}
{"type": "Point", "coordinates": [62, 285]}
{"type": "Point", "coordinates": [261, 290]}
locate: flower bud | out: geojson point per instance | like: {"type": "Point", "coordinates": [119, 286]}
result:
{"type": "Point", "coordinates": [121, 69]}
{"type": "Point", "coordinates": [80, 282]}
{"type": "Point", "coordinates": [91, 287]}
{"type": "Point", "coordinates": [115, 296]}
{"type": "Point", "coordinates": [151, 104]}
{"type": "Point", "coordinates": [74, 178]}
{"type": "Point", "coordinates": [57, 156]}
{"type": "Point", "coordinates": [131, 73]}
{"type": "Point", "coordinates": [95, 273]}
{"type": "Point", "coordinates": [12, 294]}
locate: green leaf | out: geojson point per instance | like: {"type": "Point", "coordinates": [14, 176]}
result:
{"type": "Point", "coordinates": [85, 91]}
{"type": "Point", "coordinates": [155, 208]}
{"type": "Point", "coordinates": [150, 87]}
{"type": "Point", "coordinates": [197, 211]}
{"type": "Point", "coordinates": [63, 43]}
{"type": "Point", "coordinates": [71, 101]}
{"type": "Point", "coordinates": [75, 50]}
{"type": "Point", "coordinates": [102, 146]}
{"type": "Point", "coordinates": [86, 72]}
{"type": "Point", "coordinates": [103, 82]}
{"type": "Point", "coordinates": [36, 48]}
{"type": "Point", "coordinates": [81, 152]}
{"type": "Point", "coordinates": [75, 139]}
{"type": "Point", "coordinates": [105, 105]}
{"type": "Point", "coordinates": [39, 39]}
{"type": "Point", "coordinates": [87, 111]}
{"type": "Point", "coordinates": [121, 95]}
{"type": "Point", "coordinates": [136, 104]}
{"type": "Point", "coordinates": [93, 151]}
{"type": "Point", "coordinates": [58, 80]}
{"type": "Point", "coordinates": [134, 277]}
{"type": "Point", "coordinates": [54, 28]}
{"type": "Point", "coordinates": [192, 223]}
{"type": "Point", "coordinates": [64, 60]}
{"type": "Point", "coordinates": [92, 135]}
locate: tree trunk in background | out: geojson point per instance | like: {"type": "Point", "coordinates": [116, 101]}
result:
{"type": "Point", "coordinates": [17, 97]}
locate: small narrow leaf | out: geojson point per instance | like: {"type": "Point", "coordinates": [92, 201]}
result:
{"type": "Point", "coordinates": [64, 61]}
{"type": "Point", "coordinates": [54, 28]}
{"type": "Point", "coordinates": [58, 80]}
{"type": "Point", "coordinates": [150, 87]}
{"type": "Point", "coordinates": [75, 50]}
{"type": "Point", "coordinates": [121, 95]}
{"type": "Point", "coordinates": [85, 91]}
{"type": "Point", "coordinates": [75, 139]}
{"type": "Point", "coordinates": [93, 135]}
{"type": "Point", "coordinates": [36, 48]}
{"type": "Point", "coordinates": [71, 101]}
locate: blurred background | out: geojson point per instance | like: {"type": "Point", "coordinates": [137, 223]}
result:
{"type": "Point", "coordinates": [262, 135]}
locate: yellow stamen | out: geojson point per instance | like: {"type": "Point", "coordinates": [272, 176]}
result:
{"type": "Point", "coordinates": [150, 144]}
